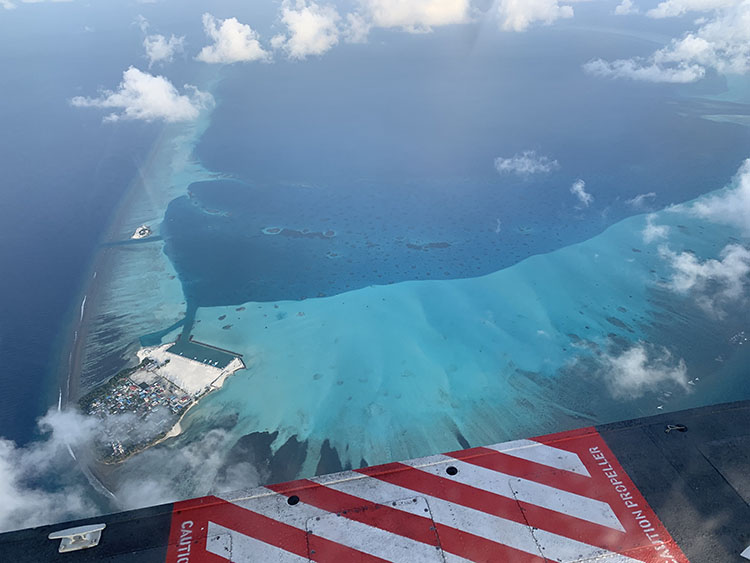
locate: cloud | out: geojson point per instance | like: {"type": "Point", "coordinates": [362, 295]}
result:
{"type": "Point", "coordinates": [312, 29]}
{"type": "Point", "coordinates": [653, 232]}
{"type": "Point", "coordinates": [41, 483]}
{"type": "Point", "coordinates": [161, 475]}
{"type": "Point", "coordinates": [23, 501]}
{"type": "Point", "coordinates": [578, 189]}
{"type": "Point", "coordinates": [144, 96]}
{"type": "Point", "coordinates": [525, 164]}
{"type": "Point", "coordinates": [640, 200]}
{"type": "Point", "coordinates": [673, 8]}
{"type": "Point", "coordinates": [415, 16]}
{"type": "Point", "coordinates": [728, 207]}
{"type": "Point", "coordinates": [162, 49]}
{"type": "Point", "coordinates": [648, 72]}
{"type": "Point", "coordinates": [714, 284]}
{"type": "Point", "coordinates": [641, 369]}
{"type": "Point", "coordinates": [721, 43]}
{"type": "Point", "coordinates": [357, 28]}
{"type": "Point", "coordinates": [519, 15]}
{"type": "Point", "coordinates": [10, 5]}
{"type": "Point", "coordinates": [625, 8]}
{"type": "Point", "coordinates": [234, 42]}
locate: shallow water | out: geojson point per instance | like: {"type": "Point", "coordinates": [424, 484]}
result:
{"type": "Point", "coordinates": [383, 373]}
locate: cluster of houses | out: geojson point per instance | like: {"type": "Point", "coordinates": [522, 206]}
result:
{"type": "Point", "coordinates": [141, 399]}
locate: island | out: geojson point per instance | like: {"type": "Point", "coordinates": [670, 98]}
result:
{"type": "Point", "coordinates": [141, 232]}
{"type": "Point", "coordinates": [143, 405]}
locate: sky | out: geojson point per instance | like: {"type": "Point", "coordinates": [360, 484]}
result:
{"type": "Point", "coordinates": [716, 40]}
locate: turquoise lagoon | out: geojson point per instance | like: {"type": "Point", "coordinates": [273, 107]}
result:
{"type": "Point", "coordinates": [389, 372]}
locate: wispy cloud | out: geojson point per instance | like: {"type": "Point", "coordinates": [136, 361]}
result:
{"type": "Point", "coordinates": [653, 232]}
{"type": "Point", "coordinates": [675, 8]}
{"type": "Point", "coordinates": [641, 200]}
{"type": "Point", "coordinates": [730, 206]}
{"type": "Point", "coordinates": [158, 47]}
{"type": "Point", "coordinates": [640, 369]}
{"type": "Point", "coordinates": [162, 49]}
{"type": "Point", "coordinates": [146, 97]}
{"type": "Point", "coordinates": [713, 284]}
{"type": "Point", "coordinates": [578, 189]}
{"type": "Point", "coordinates": [625, 8]}
{"type": "Point", "coordinates": [11, 5]}
{"type": "Point", "coordinates": [233, 42]}
{"type": "Point", "coordinates": [638, 69]}
{"type": "Point", "coordinates": [23, 501]}
{"type": "Point", "coordinates": [525, 164]}
{"type": "Point", "coordinates": [40, 483]}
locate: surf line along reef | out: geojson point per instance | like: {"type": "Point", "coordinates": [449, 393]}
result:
{"type": "Point", "coordinates": [144, 405]}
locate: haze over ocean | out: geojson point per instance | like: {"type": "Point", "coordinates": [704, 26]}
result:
{"type": "Point", "coordinates": [419, 241]}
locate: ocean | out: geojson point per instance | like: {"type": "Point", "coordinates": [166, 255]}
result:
{"type": "Point", "coordinates": [344, 227]}
{"type": "Point", "coordinates": [63, 176]}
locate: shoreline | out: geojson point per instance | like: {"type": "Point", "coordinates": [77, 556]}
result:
{"type": "Point", "coordinates": [191, 379]}
{"type": "Point", "coordinates": [72, 352]}
{"type": "Point", "coordinates": [96, 278]}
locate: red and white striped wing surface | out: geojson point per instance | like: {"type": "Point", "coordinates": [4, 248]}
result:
{"type": "Point", "coordinates": [562, 497]}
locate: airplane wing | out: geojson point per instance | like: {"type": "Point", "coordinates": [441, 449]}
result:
{"type": "Point", "coordinates": [668, 488]}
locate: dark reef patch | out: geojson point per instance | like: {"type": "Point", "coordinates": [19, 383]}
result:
{"type": "Point", "coordinates": [255, 449]}
{"type": "Point", "coordinates": [614, 321]}
{"type": "Point", "coordinates": [428, 246]}
{"type": "Point", "coordinates": [330, 462]}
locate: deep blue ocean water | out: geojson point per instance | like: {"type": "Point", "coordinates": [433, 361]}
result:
{"type": "Point", "coordinates": [63, 174]}
{"type": "Point", "coordinates": [389, 149]}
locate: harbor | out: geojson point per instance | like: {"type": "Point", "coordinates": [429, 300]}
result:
{"type": "Point", "coordinates": [144, 404]}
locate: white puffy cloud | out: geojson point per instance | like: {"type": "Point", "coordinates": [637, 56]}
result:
{"type": "Point", "coordinates": [653, 232]}
{"type": "Point", "coordinates": [415, 15]}
{"type": "Point", "coordinates": [640, 369]}
{"type": "Point", "coordinates": [312, 29]}
{"type": "Point", "coordinates": [525, 164]}
{"type": "Point", "coordinates": [144, 96]}
{"type": "Point", "coordinates": [625, 8]}
{"type": "Point", "coordinates": [162, 49]}
{"type": "Point", "coordinates": [730, 206]}
{"type": "Point", "coordinates": [714, 284]}
{"type": "Point", "coordinates": [578, 189]}
{"type": "Point", "coordinates": [518, 15]}
{"type": "Point", "coordinates": [721, 43]}
{"type": "Point", "coordinates": [356, 28]}
{"type": "Point", "coordinates": [233, 42]}
{"type": "Point", "coordinates": [7, 4]}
